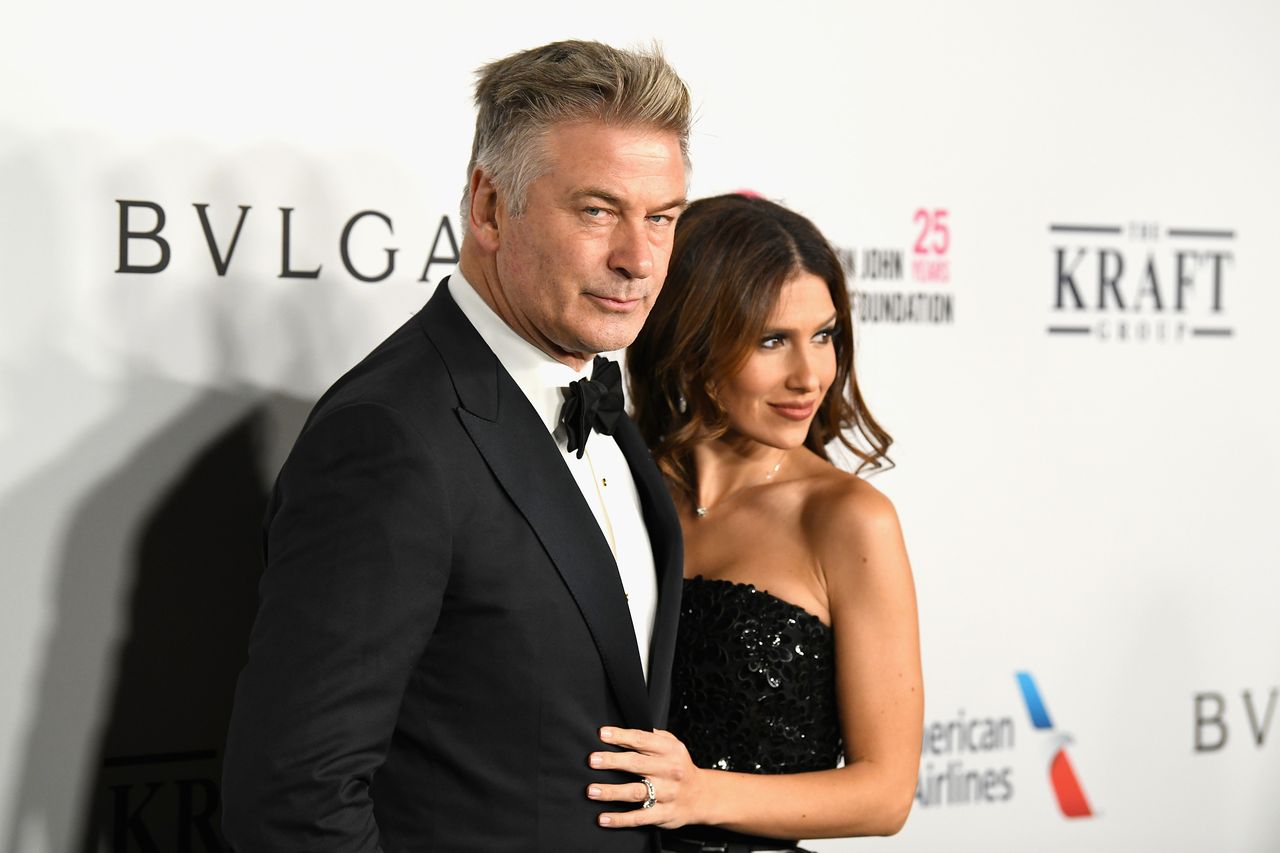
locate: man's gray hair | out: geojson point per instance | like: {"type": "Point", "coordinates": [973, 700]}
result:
{"type": "Point", "coordinates": [519, 98]}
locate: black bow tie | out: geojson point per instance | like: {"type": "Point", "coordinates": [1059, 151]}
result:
{"type": "Point", "coordinates": [594, 403]}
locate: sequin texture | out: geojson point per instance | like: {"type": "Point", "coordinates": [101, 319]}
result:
{"type": "Point", "coordinates": [753, 687]}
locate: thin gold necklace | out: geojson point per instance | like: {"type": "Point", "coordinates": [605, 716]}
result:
{"type": "Point", "coordinates": [702, 510]}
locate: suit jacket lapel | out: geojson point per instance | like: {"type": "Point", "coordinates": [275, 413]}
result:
{"type": "Point", "coordinates": [668, 558]}
{"type": "Point", "coordinates": [526, 462]}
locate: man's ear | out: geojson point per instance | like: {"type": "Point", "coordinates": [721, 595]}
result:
{"type": "Point", "coordinates": [482, 219]}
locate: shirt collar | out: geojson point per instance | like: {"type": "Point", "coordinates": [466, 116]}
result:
{"type": "Point", "coordinates": [538, 375]}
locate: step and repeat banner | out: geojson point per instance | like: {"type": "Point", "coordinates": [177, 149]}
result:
{"type": "Point", "coordinates": [1060, 225]}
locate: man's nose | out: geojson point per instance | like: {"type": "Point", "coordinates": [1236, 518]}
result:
{"type": "Point", "coordinates": [631, 254]}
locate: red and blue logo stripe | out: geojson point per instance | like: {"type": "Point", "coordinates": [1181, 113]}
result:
{"type": "Point", "coordinates": [1062, 776]}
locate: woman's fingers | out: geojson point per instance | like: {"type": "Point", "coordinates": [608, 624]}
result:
{"type": "Point", "coordinates": [628, 762]}
{"type": "Point", "coordinates": [637, 739]}
{"type": "Point", "coordinates": [635, 817]}
{"type": "Point", "coordinates": [631, 792]}
{"type": "Point", "coordinates": [658, 757]}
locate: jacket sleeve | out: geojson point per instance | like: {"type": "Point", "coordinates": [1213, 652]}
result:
{"type": "Point", "coordinates": [357, 558]}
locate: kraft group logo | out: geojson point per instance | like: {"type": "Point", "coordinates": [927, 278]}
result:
{"type": "Point", "coordinates": [1140, 282]}
{"type": "Point", "coordinates": [1062, 775]}
{"type": "Point", "coordinates": [876, 274]}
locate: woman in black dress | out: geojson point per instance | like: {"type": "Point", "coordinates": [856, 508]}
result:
{"type": "Point", "coordinates": [797, 694]}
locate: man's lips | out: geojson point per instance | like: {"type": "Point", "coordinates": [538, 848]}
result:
{"type": "Point", "coordinates": [794, 411]}
{"type": "Point", "coordinates": [615, 303]}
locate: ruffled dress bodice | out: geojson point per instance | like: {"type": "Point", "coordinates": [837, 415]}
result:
{"type": "Point", "coordinates": [753, 687]}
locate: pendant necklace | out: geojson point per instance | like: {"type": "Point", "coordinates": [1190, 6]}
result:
{"type": "Point", "coordinates": [701, 511]}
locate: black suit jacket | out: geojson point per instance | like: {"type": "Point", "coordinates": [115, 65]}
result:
{"type": "Point", "coordinates": [441, 628]}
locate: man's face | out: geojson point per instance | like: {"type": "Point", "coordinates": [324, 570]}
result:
{"type": "Point", "coordinates": [580, 268]}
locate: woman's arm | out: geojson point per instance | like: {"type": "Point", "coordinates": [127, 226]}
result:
{"type": "Point", "coordinates": [857, 541]}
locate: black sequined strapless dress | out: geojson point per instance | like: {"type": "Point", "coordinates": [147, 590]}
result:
{"type": "Point", "coordinates": [753, 686]}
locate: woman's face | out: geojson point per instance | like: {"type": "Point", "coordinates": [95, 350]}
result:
{"type": "Point", "coordinates": [774, 397]}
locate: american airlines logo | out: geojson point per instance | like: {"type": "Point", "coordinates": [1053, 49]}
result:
{"type": "Point", "coordinates": [1062, 775]}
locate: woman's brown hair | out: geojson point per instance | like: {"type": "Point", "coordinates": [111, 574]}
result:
{"type": "Point", "coordinates": [731, 257]}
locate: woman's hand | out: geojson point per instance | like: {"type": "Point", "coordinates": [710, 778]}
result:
{"type": "Point", "coordinates": [660, 757]}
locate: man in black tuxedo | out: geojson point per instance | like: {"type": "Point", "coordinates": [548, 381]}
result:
{"type": "Point", "coordinates": [461, 588]}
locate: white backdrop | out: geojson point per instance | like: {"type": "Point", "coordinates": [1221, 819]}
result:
{"type": "Point", "coordinates": [1058, 220]}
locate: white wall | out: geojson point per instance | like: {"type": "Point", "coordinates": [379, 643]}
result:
{"type": "Point", "coordinates": [1095, 511]}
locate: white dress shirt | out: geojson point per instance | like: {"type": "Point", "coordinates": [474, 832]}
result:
{"type": "Point", "coordinates": [602, 474]}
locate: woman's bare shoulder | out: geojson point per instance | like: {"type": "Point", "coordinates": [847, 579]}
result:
{"type": "Point", "coordinates": [848, 521]}
{"type": "Point", "coordinates": [838, 501]}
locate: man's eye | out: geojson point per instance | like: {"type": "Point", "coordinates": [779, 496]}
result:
{"type": "Point", "coordinates": [592, 211]}
{"type": "Point", "coordinates": [662, 219]}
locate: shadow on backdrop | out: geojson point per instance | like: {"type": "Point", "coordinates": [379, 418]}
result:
{"type": "Point", "coordinates": [181, 518]}
{"type": "Point", "coordinates": [149, 521]}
